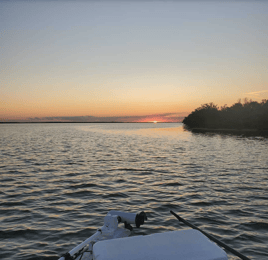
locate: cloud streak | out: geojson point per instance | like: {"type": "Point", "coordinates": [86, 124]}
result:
{"type": "Point", "coordinates": [257, 93]}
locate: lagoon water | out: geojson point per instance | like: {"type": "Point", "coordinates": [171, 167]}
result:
{"type": "Point", "coordinates": [58, 181]}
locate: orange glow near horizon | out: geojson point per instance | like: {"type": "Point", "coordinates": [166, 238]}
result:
{"type": "Point", "coordinates": [149, 105]}
{"type": "Point", "coordinates": [24, 107]}
{"type": "Point", "coordinates": [157, 119]}
{"type": "Point", "coordinates": [155, 112]}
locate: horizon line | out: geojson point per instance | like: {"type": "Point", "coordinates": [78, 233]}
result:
{"type": "Point", "coordinates": [77, 122]}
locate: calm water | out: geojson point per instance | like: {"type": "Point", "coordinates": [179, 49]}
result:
{"type": "Point", "coordinates": [58, 181]}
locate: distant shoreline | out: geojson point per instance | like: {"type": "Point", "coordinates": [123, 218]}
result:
{"type": "Point", "coordinates": [59, 122]}
{"type": "Point", "coordinates": [230, 131]}
{"type": "Point", "coordinates": [226, 129]}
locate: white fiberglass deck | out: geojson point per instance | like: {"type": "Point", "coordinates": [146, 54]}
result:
{"type": "Point", "coordinates": [183, 245]}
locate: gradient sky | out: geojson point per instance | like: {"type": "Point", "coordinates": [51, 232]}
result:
{"type": "Point", "coordinates": [129, 58]}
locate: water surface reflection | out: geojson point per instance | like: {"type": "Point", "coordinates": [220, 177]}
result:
{"type": "Point", "coordinates": [58, 181]}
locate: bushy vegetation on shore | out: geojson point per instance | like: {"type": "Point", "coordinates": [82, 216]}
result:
{"type": "Point", "coordinates": [249, 115]}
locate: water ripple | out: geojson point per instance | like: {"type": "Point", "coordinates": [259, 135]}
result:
{"type": "Point", "coordinates": [58, 181]}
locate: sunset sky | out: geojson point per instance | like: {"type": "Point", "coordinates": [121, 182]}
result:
{"type": "Point", "coordinates": [154, 60]}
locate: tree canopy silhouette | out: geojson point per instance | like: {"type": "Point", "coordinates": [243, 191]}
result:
{"type": "Point", "coordinates": [250, 115]}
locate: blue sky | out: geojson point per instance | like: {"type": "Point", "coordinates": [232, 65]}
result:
{"type": "Point", "coordinates": [118, 58]}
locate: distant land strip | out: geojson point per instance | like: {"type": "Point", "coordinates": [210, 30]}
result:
{"type": "Point", "coordinates": [160, 118]}
{"type": "Point", "coordinates": [71, 122]}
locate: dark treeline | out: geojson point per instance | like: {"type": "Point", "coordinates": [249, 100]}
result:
{"type": "Point", "coordinates": [250, 115]}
